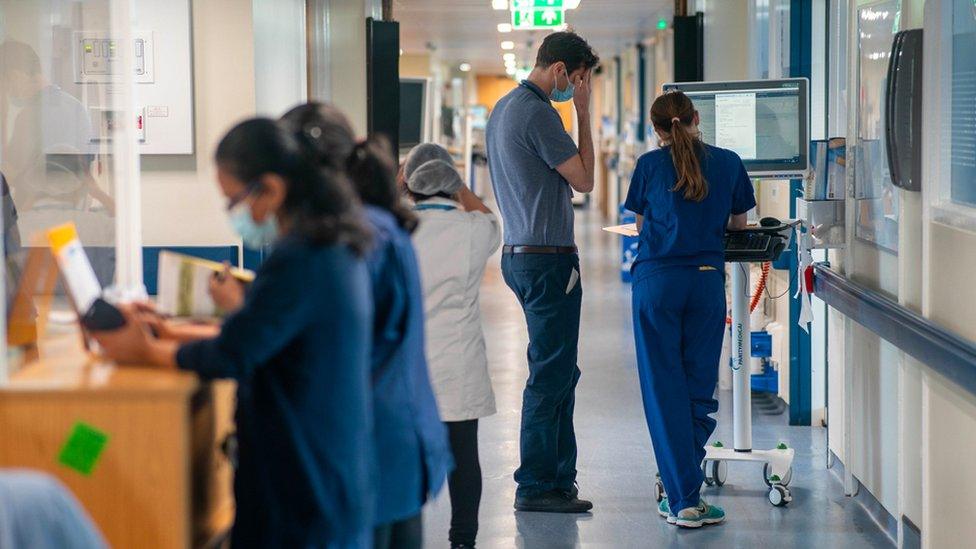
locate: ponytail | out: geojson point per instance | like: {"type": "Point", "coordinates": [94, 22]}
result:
{"type": "Point", "coordinates": [372, 170]}
{"type": "Point", "coordinates": [329, 141]}
{"type": "Point", "coordinates": [672, 114]}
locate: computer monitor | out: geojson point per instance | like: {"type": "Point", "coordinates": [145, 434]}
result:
{"type": "Point", "coordinates": [414, 112]}
{"type": "Point", "coordinates": [765, 121]}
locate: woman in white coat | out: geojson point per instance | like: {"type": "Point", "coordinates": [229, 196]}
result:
{"type": "Point", "coordinates": [456, 235]}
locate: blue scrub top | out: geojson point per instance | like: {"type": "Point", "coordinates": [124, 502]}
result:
{"type": "Point", "coordinates": [299, 350]}
{"type": "Point", "coordinates": [682, 232]}
{"type": "Point", "coordinates": [413, 454]}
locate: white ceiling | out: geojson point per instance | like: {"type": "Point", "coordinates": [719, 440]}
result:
{"type": "Point", "coordinates": [466, 30]}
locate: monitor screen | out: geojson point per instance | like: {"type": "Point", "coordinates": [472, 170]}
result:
{"type": "Point", "coordinates": [764, 121]}
{"type": "Point", "coordinates": [413, 111]}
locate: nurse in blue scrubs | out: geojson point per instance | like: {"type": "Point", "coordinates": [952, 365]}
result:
{"type": "Point", "coordinates": [299, 351]}
{"type": "Point", "coordinates": [412, 450]}
{"type": "Point", "coordinates": [685, 195]}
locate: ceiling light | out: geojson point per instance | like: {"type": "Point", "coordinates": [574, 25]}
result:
{"type": "Point", "coordinates": [511, 65]}
{"type": "Point", "coordinates": [504, 27]}
{"type": "Point", "coordinates": [510, 71]}
{"type": "Point", "coordinates": [571, 4]}
{"type": "Point", "coordinates": [508, 45]}
{"type": "Point", "coordinates": [464, 67]}
{"type": "Point", "coordinates": [499, 4]}
{"type": "Point", "coordinates": [509, 56]}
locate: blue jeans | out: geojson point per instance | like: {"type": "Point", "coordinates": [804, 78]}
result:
{"type": "Point", "coordinates": [551, 296]}
{"type": "Point", "coordinates": [679, 322]}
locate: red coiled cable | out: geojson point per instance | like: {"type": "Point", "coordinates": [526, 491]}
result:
{"type": "Point", "coordinates": [757, 295]}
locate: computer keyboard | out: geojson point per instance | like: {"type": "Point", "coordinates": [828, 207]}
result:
{"type": "Point", "coordinates": [746, 241]}
{"type": "Point", "coordinates": [756, 244]}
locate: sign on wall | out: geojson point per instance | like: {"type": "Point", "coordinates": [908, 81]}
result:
{"type": "Point", "coordinates": [534, 18]}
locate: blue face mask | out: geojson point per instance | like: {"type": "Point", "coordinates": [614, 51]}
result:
{"type": "Point", "coordinates": [559, 95]}
{"type": "Point", "coordinates": [254, 235]}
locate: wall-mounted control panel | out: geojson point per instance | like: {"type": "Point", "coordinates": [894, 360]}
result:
{"type": "Point", "coordinates": [97, 57]}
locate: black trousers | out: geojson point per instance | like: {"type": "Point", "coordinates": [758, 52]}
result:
{"type": "Point", "coordinates": [404, 534]}
{"type": "Point", "coordinates": [465, 481]}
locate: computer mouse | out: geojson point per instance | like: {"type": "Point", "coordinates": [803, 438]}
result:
{"type": "Point", "coordinates": [769, 222]}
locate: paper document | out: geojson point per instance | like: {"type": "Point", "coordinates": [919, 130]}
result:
{"type": "Point", "coordinates": [573, 279]}
{"type": "Point", "coordinates": [735, 123]}
{"type": "Point", "coordinates": [630, 229]}
{"type": "Point", "coordinates": [76, 271]}
{"type": "Point", "coordinates": [183, 284]}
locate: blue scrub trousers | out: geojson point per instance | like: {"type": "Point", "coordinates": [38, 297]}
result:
{"type": "Point", "coordinates": [551, 301]}
{"type": "Point", "coordinates": [679, 323]}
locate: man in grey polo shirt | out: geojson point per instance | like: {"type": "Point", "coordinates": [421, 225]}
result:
{"type": "Point", "coordinates": [535, 167]}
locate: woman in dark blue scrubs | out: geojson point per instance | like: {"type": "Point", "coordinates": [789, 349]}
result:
{"type": "Point", "coordinates": [413, 454]}
{"type": "Point", "coordinates": [299, 351]}
{"type": "Point", "coordinates": [685, 195]}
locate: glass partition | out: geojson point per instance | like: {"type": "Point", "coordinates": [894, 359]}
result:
{"type": "Point", "coordinates": [65, 105]}
{"type": "Point", "coordinates": [875, 196]}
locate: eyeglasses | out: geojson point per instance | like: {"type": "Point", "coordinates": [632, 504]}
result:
{"type": "Point", "coordinates": [241, 196]}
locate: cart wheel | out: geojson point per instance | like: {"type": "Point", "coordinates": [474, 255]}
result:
{"type": "Point", "coordinates": [709, 471]}
{"type": "Point", "coordinates": [659, 494]}
{"type": "Point", "coordinates": [785, 481]}
{"type": "Point", "coordinates": [720, 472]}
{"type": "Point", "coordinates": [779, 495]}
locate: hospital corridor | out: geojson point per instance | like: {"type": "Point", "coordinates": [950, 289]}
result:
{"type": "Point", "coordinates": [500, 274]}
{"type": "Point", "coordinates": [616, 455]}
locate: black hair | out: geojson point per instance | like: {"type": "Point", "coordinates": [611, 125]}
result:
{"type": "Point", "coordinates": [319, 203]}
{"type": "Point", "coordinates": [568, 47]}
{"type": "Point", "coordinates": [328, 139]}
{"type": "Point", "coordinates": [18, 56]}
{"type": "Point", "coordinates": [418, 197]}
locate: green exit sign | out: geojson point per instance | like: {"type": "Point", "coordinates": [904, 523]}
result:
{"type": "Point", "coordinates": [529, 4]}
{"type": "Point", "coordinates": [537, 18]}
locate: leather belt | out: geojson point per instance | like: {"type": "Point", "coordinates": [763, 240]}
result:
{"type": "Point", "coordinates": [507, 249]}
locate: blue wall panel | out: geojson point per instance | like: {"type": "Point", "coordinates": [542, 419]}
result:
{"type": "Point", "coordinates": [150, 259]}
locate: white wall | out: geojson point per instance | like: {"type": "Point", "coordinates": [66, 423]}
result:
{"type": "Point", "coordinates": [726, 40]}
{"type": "Point", "coordinates": [280, 60]}
{"type": "Point", "coordinates": [348, 59]}
{"type": "Point", "coordinates": [249, 58]}
{"type": "Point", "coordinates": [910, 433]}
{"type": "Point", "coordinates": [181, 204]}
{"type": "Point", "coordinates": [948, 441]}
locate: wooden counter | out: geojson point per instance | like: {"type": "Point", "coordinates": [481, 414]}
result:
{"type": "Point", "coordinates": [161, 480]}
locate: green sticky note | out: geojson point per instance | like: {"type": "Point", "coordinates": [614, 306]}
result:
{"type": "Point", "coordinates": [83, 448]}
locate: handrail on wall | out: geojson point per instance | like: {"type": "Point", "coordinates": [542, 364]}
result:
{"type": "Point", "coordinates": [950, 355]}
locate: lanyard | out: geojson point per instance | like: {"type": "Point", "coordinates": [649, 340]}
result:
{"type": "Point", "coordinates": [443, 207]}
{"type": "Point", "coordinates": [535, 89]}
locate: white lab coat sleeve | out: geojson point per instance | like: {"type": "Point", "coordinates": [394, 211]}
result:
{"type": "Point", "coordinates": [486, 237]}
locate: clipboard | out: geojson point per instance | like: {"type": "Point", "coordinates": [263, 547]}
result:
{"type": "Point", "coordinates": [81, 286]}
